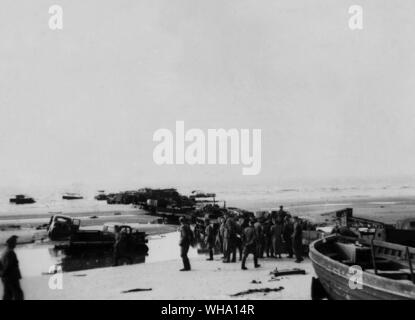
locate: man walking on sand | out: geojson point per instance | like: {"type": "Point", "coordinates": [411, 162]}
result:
{"type": "Point", "coordinates": [117, 246]}
{"type": "Point", "coordinates": [266, 228]}
{"type": "Point", "coordinates": [10, 272]}
{"type": "Point", "coordinates": [250, 244]}
{"type": "Point", "coordinates": [287, 235]}
{"type": "Point", "coordinates": [259, 237]}
{"type": "Point", "coordinates": [277, 236]}
{"type": "Point", "coordinates": [297, 238]}
{"type": "Point", "coordinates": [238, 238]}
{"type": "Point", "coordinates": [219, 236]}
{"type": "Point", "coordinates": [229, 236]}
{"type": "Point", "coordinates": [186, 238]}
{"type": "Point", "coordinates": [120, 250]}
{"type": "Point", "coordinates": [210, 238]}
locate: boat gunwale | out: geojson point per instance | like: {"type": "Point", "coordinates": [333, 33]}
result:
{"type": "Point", "coordinates": [314, 253]}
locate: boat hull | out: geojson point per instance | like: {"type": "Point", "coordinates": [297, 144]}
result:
{"type": "Point", "coordinates": [71, 198]}
{"type": "Point", "coordinates": [335, 278]}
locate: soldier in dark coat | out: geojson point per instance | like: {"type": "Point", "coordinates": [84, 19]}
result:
{"type": "Point", "coordinates": [297, 238]}
{"type": "Point", "coordinates": [186, 238]}
{"type": "Point", "coordinates": [120, 250]}
{"type": "Point", "coordinates": [117, 245]}
{"type": "Point", "coordinates": [250, 244]}
{"type": "Point", "coordinates": [282, 212]}
{"type": "Point", "coordinates": [10, 272]}
{"type": "Point", "coordinates": [229, 241]}
{"type": "Point", "coordinates": [219, 236]}
{"type": "Point", "coordinates": [210, 238]}
{"type": "Point", "coordinates": [260, 238]}
{"type": "Point", "coordinates": [238, 239]}
{"type": "Point", "coordinates": [266, 227]}
{"type": "Point", "coordinates": [287, 235]}
{"type": "Point", "coordinates": [277, 236]}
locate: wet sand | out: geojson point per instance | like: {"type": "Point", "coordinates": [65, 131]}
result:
{"type": "Point", "coordinates": [34, 219]}
{"type": "Point", "coordinates": [384, 209]}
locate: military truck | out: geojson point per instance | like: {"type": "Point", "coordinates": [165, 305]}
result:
{"type": "Point", "coordinates": [64, 228]}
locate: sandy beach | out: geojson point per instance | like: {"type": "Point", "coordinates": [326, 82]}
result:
{"type": "Point", "coordinates": [159, 272]}
{"type": "Point", "coordinates": [208, 280]}
{"type": "Point", "coordinates": [131, 128]}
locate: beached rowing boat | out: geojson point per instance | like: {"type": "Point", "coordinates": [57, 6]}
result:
{"type": "Point", "coordinates": [386, 269]}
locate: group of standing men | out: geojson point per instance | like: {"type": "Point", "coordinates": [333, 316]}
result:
{"type": "Point", "coordinates": [268, 236]}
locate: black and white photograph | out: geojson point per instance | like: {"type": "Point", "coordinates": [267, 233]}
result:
{"type": "Point", "coordinates": [207, 150]}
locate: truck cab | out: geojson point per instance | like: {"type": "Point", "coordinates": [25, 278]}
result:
{"type": "Point", "coordinates": [62, 227]}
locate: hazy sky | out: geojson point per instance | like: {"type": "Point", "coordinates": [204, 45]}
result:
{"type": "Point", "coordinates": [81, 105]}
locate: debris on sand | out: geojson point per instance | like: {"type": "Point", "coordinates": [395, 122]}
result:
{"type": "Point", "coordinates": [286, 272]}
{"type": "Point", "coordinates": [262, 290]}
{"type": "Point", "coordinates": [80, 275]}
{"type": "Point", "coordinates": [51, 272]}
{"type": "Point", "coordinates": [274, 279]}
{"type": "Point", "coordinates": [256, 282]}
{"type": "Point", "coordinates": [136, 290]}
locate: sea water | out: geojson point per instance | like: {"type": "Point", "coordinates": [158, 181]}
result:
{"type": "Point", "coordinates": [41, 259]}
{"type": "Point", "coordinates": [250, 196]}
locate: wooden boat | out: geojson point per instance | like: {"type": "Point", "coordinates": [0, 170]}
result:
{"type": "Point", "coordinates": [72, 196]}
{"type": "Point", "coordinates": [386, 269]}
{"type": "Point", "coordinates": [22, 199]}
{"type": "Point", "coordinates": [403, 232]}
